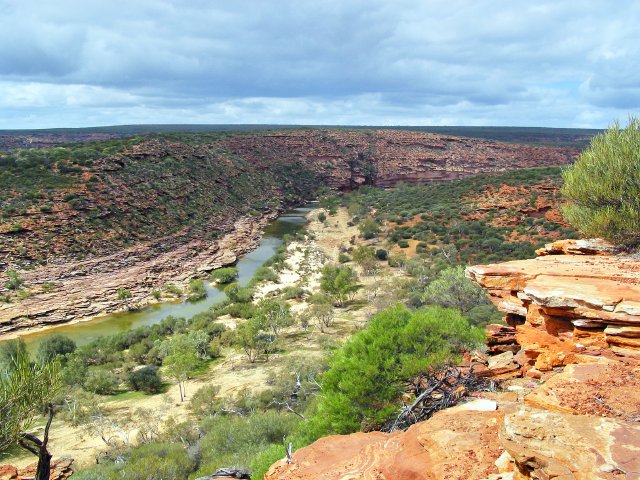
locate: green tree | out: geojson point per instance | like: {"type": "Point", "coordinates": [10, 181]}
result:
{"type": "Point", "coordinates": [26, 390]}
{"type": "Point", "coordinates": [366, 377]}
{"type": "Point", "coordinates": [246, 338]}
{"type": "Point", "coordinates": [369, 228]}
{"type": "Point", "coordinates": [53, 346]}
{"type": "Point", "coordinates": [341, 282]}
{"type": "Point", "coordinates": [179, 365]}
{"type": "Point", "coordinates": [451, 288]}
{"type": "Point", "coordinates": [602, 188]}
{"type": "Point", "coordinates": [274, 315]}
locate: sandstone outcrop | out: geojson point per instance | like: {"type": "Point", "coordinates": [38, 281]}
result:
{"type": "Point", "coordinates": [60, 470]}
{"type": "Point", "coordinates": [445, 446]}
{"type": "Point", "coordinates": [88, 288]}
{"type": "Point", "coordinates": [578, 299]}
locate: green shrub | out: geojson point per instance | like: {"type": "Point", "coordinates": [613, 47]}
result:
{"type": "Point", "coordinates": [234, 441]}
{"type": "Point", "coordinates": [403, 243]}
{"type": "Point", "coordinates": [14, 280]}
{"type": "Point", "coordinates": [197, 291]}
{"type": "Point", "coordinates": [366, 377]}
{"type": "Point", "coordinates": [322, 217]}
{"type": "Point", "coordinates": [452, 289]}
{"type": "Point", "coordinates": [602, 188]}
{"type": "Point", "coordinates": [205, 402]}
{"type": "Point", "coordinates": [173, 289]}
{"type": "Point", "coordinates": [344, 258]}
{"type": "Point", "coordinates": [224, 275]}
{"type": "Point", "coordinates": [146, 379]}
{"type": "Point", "coordinates": [55, 345]}
{"type": "Point", "coordinates": [101, 381]}
{"type": "Point", "coordinates": [382, 254]}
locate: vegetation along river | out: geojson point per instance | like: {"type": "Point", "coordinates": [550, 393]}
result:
{"type": "Point", "coordinates": [85, 332]}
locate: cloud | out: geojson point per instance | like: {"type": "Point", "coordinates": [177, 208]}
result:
{"type": "Point", "coordinates": [71, 63]}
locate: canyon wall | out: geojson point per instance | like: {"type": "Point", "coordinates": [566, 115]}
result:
{"type": "Point", "coordinates": [163, 209]}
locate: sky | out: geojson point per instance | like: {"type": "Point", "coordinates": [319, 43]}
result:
{"type": "Point", "coordinates": [560, 63]}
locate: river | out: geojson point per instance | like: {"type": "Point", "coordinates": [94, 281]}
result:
{"type": "Point", "coordinates": [85, 332]}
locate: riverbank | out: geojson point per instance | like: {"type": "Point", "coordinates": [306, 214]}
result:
{"type": "Point", "coordinates": [84, 290]}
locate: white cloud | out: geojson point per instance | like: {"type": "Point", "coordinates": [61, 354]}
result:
{"type": "Point", "coordinates": [494, 62]}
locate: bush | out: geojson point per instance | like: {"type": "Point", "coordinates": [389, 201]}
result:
{"type": "Point", "coordinates": [382, 254]}
{"type": "Point", "coordinates": [146, 379]}
{"type": "Point", "coordinates": [101, 381]}
{"type": "Point", "coordinates": [452, 289]}
{"type": "Point", "coordinates": [205, 402]}
{"type": "Point", "coordinates": [234, 441]}
{"type": "Point", "coordinates": [602, 188]}
{"type": "Point", "coordinates": [53, 346]}
{"type": "Point", "coordinates": [322, 217]}
{"type": "Point", "coordinates": [196, 290]}
{"type": "Point", "coordinates": [403, 243]}
{"type": "Point", "coordinates": [224, 275]}
{"type": "Point", "coordinates": [344, 258]}
{"type": "Point", "coordinates": [365, 379]}
{"type": "Point", "coordinates": [14, 280]}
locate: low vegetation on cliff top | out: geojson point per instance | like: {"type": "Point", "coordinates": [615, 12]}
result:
{"type": "Point", "coordinates": [602, 188]}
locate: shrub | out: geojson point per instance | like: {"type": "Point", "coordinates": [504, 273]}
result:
{"type": "Point", "coordinates": [146, 379]}
{"type": "Point", "coordinates": [14, 280]}
{"type": "Point", "coordinates": [602, 188]}
{"type": "Point", "coordinates": [234, 440]}
{"type": "Point", "coordinates": [403, 243]}
{"type": "Point", "coordinates": [196, 290]}
{"type": "Point", "coordinates": [55, 345]}
{"type": "Point", "coordinates": [452, 289]}
{"type": "Point", "coordinates": [224, 275]}
{"type": "Point", "coordinates": [322, 217]}
{"type": "Point", "coordinates": [382, 254]}
{"type": "Point", "coordinates": [344, 258]}
{"type": "Point", "coordinates": [236, 293]}
{"type": "Point", "coordinates": [100, 381]}
{"type": "Point", "coordinates": [366, 377]}
{"type": "Point", "coordinates": [205, 402]}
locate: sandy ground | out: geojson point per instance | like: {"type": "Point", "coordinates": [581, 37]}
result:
{"type": "Point", "coordinates": [234, 373]}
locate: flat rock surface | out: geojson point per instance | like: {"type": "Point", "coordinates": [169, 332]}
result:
{"type": "Point", "coordinates": [453, 444]}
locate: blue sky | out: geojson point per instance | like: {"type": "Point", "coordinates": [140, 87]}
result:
{"type": "Point", "coordinates": [73, 63]}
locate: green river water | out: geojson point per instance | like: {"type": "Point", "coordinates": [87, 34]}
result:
{"type": "Point", "coordinates": [85, 332]}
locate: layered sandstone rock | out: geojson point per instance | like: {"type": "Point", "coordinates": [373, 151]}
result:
{"type": "Point", "coordinates": [455, 444]}
{"type": "Point", "coordinates": [60, 470]}
{"type": "Point", "coordinates": [576, 300]}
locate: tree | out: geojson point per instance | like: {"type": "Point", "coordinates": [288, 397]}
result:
{"type": "Point", "coordinates": [179, 366]}
{"type": "Point", "coordinates": [26, 390]}
{"type": "Point", "coordinates": [340, 282]}
{"type": "Point", "coordinates": [368, 228]}
{"type": "Point", "coordinates": [10, 350]}
{"type": "Point", "coordinates": [366, 258]}
{"type": "Point", "coordinates": [602, 188]}
{"type": "Point", "coordinates": [53, 346]}
{"type": "Point", "coordinates": [452, 289]}
{"type": "Point", "coordinates": [274, 315]}
{"type": "Point", "coordinates": [246, 337]}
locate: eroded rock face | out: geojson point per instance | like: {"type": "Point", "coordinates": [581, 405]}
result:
{"type": "Point", "coordinates": [565, 306]}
